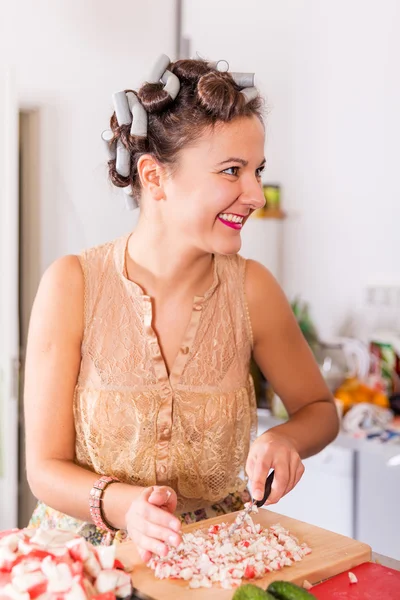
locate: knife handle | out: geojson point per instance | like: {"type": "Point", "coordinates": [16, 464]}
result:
{"type": "Point", "coordinates": [267, 490]}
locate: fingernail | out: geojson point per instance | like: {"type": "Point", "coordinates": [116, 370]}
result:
{"type": "Point", "coordinates": [172, 540]}
{"type": "Point", "coordinates": [162, 550]}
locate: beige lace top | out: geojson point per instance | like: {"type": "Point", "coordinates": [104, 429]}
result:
{"type": "Point", "coordinates": [190, 430]}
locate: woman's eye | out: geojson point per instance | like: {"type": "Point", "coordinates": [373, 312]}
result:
{"type": "Point", "coordinates": [260, 170]}
{"type": "Point", "coordinates": [231, 170]}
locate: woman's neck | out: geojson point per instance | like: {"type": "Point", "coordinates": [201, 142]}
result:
{"type": "Point", "coordinates": [161, 265]}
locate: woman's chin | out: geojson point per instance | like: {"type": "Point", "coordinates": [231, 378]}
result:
{"type": "Point", "coordinates": [231, 246]}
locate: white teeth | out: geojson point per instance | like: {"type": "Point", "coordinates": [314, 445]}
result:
{"type": "Point", "coordinates": [231, 218]}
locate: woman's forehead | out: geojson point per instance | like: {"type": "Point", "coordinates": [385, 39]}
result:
{"type": "Point", "coordinates": [242, 138]}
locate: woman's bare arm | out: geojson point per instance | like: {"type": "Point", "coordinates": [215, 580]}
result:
{"type": "Point", "coordinates": [52, 367]}
{"type": "Point", "coordinates": [286, 361]}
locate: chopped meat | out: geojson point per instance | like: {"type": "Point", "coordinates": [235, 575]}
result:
{"type": "Point", "coordinates": [52, 564]}
{"type": "Point", "coordinates": [352, 577]}
{"type": "Point", "coordinates": [212, 557]}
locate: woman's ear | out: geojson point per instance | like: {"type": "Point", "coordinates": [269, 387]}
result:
{"type": "Point", "coordinates": [150, 173]}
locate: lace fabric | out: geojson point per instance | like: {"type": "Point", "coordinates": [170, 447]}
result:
{"type": "Point", "coordinates": [190, 429]}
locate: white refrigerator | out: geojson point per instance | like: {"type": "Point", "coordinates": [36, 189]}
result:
{"type": "Point", "coordinates": [9, 310]}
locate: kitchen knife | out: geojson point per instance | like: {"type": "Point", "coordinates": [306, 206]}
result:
{"type": "Point", "coordinates": [258, 503]}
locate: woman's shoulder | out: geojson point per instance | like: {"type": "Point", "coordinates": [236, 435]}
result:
{"type": "Point", "coordinates": [102, 251]}
{"type": "Point", "coordinates": [68, 272]}
{"type": "Point", "coordinates": [260, 284]}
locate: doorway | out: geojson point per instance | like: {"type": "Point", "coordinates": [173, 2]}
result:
{"type": "Point", "coordinates": [29, 274]}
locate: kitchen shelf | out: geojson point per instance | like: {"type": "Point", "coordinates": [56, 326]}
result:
{"type": "Point", "coordinates": [272, 213]}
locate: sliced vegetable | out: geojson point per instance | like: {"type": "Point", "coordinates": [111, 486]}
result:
{"type": "Point", "coordinates": [285, 590]}
{"type": "Point", "coordinates": [248, 591]}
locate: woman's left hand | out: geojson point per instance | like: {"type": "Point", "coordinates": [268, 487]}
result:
{"type": "Point", "coordinates": [273, 450]}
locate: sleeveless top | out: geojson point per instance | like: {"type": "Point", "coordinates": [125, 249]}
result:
{"type": "Point", "coordinates": [190, 429]}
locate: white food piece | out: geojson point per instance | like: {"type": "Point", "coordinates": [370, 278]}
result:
{"type": "Point", "coordinates": [92, 565]}
{"type": "Point", "coordinates": [106, 556]}
{"type": "Point", "coordinates": [7, 557]}
{"type": "Point", "coordinates": [51, 538]}
{"type": "Point", "coordinates": [55, 565]}
{"type": "Point", "coordinates": [212, 557]}
{"type": "Point", "coordinates": [113, 580]}
{"type": "Point", "coordinates": [78, 549]}
{"type": "Point", "coordinates": [59, 576]}
{"type": "Point", "coordinates": [24, 583]}
{"type": "Point", "coordinates": [27, 566]}
{"type": "Point", "coordinates": [75, 593]}
{"type": "Point", "coordinates": [352, 577]}
{"type": "Point", "coordinates": [10, 542]}
{"type": "Point", "coordinates": [10, 591]}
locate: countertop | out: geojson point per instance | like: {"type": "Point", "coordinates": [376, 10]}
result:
{"type": "Point", "coordinates": [344, 440]}
{"type": "Point", "coordinates": [386, 561]}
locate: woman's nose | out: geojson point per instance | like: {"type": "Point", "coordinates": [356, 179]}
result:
{"type": "Point", "coordinates": [253, 195]}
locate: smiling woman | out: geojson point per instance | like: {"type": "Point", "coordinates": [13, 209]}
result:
{"type": "Point", "coordinates": [138, 360]}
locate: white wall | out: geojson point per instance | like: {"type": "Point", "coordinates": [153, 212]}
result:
{"type": "Point", "coordinates": [330, 71]}
{"type": "Point", "coordinates": [69, 57]}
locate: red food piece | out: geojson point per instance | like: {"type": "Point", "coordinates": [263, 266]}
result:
{"type": "Point", "coordinates": [118, 565]}
{"type": "Point", "coordinates": [249, 572]}
{"type": "Point", "coordinates": [105, 596]}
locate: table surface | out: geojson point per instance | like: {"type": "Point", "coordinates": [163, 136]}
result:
{"type": "Point", "coordinates": [386, 561]}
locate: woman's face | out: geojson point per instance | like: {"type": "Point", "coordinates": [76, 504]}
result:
{"type": "Point", "coordinates": [215, 186]}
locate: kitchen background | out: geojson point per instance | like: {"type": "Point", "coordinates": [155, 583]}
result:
{"type": "Point", "coordinates": [330, 72]}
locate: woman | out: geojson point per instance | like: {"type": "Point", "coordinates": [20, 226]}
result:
{"type": "Point", "coordinates": [139, 350]}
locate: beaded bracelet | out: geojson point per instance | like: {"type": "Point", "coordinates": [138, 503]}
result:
{"type": "Point", "coordinates": [95, 505]}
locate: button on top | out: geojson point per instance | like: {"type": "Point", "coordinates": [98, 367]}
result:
{"type": "Point", "coordinates": [166, 432]}
{"type": "Point", "coordinates": [197, 307]}
{"type": "Point", "coordinates": [163, 469]}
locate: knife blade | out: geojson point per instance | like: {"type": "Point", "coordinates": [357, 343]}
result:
{"type": "Point", "coordinates": [241, 518]}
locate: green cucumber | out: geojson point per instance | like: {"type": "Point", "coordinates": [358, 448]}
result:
{"type": "Point", "coordinates": [284, 590]}
{"type": "Point", "coordinates": [248, 591]}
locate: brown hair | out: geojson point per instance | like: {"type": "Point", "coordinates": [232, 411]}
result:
{"type": "Point", "coordinates": [206, 97]}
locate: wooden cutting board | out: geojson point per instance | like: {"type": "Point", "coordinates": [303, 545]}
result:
{"type": "Point", "coordinates": [331, 554]}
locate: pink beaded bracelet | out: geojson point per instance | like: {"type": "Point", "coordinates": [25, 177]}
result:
{"type": "Point", "coordinates": [95, 505]}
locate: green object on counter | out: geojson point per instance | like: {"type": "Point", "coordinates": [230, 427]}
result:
{"type": "Point", "coordinates": [302, 313]}
{"type": "Point", "coordinates": [285, 590]}
{"type": "Point", "coordinates": [248, 591]}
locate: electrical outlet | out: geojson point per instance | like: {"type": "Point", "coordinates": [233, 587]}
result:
{"type": "Point", "coordinates": [384, 296]}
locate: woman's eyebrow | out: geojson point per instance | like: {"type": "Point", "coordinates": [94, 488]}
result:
{"type": "Point", "coordinates": [241, 161]}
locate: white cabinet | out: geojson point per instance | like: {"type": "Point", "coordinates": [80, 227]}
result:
{"type": "Point", "coordinates": [378, 502]}
{"type": "Point", "coordinates": [325, 494]}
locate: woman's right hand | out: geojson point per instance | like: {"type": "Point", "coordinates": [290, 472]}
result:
{"type": "Point", "coordinates": [151, 524]}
